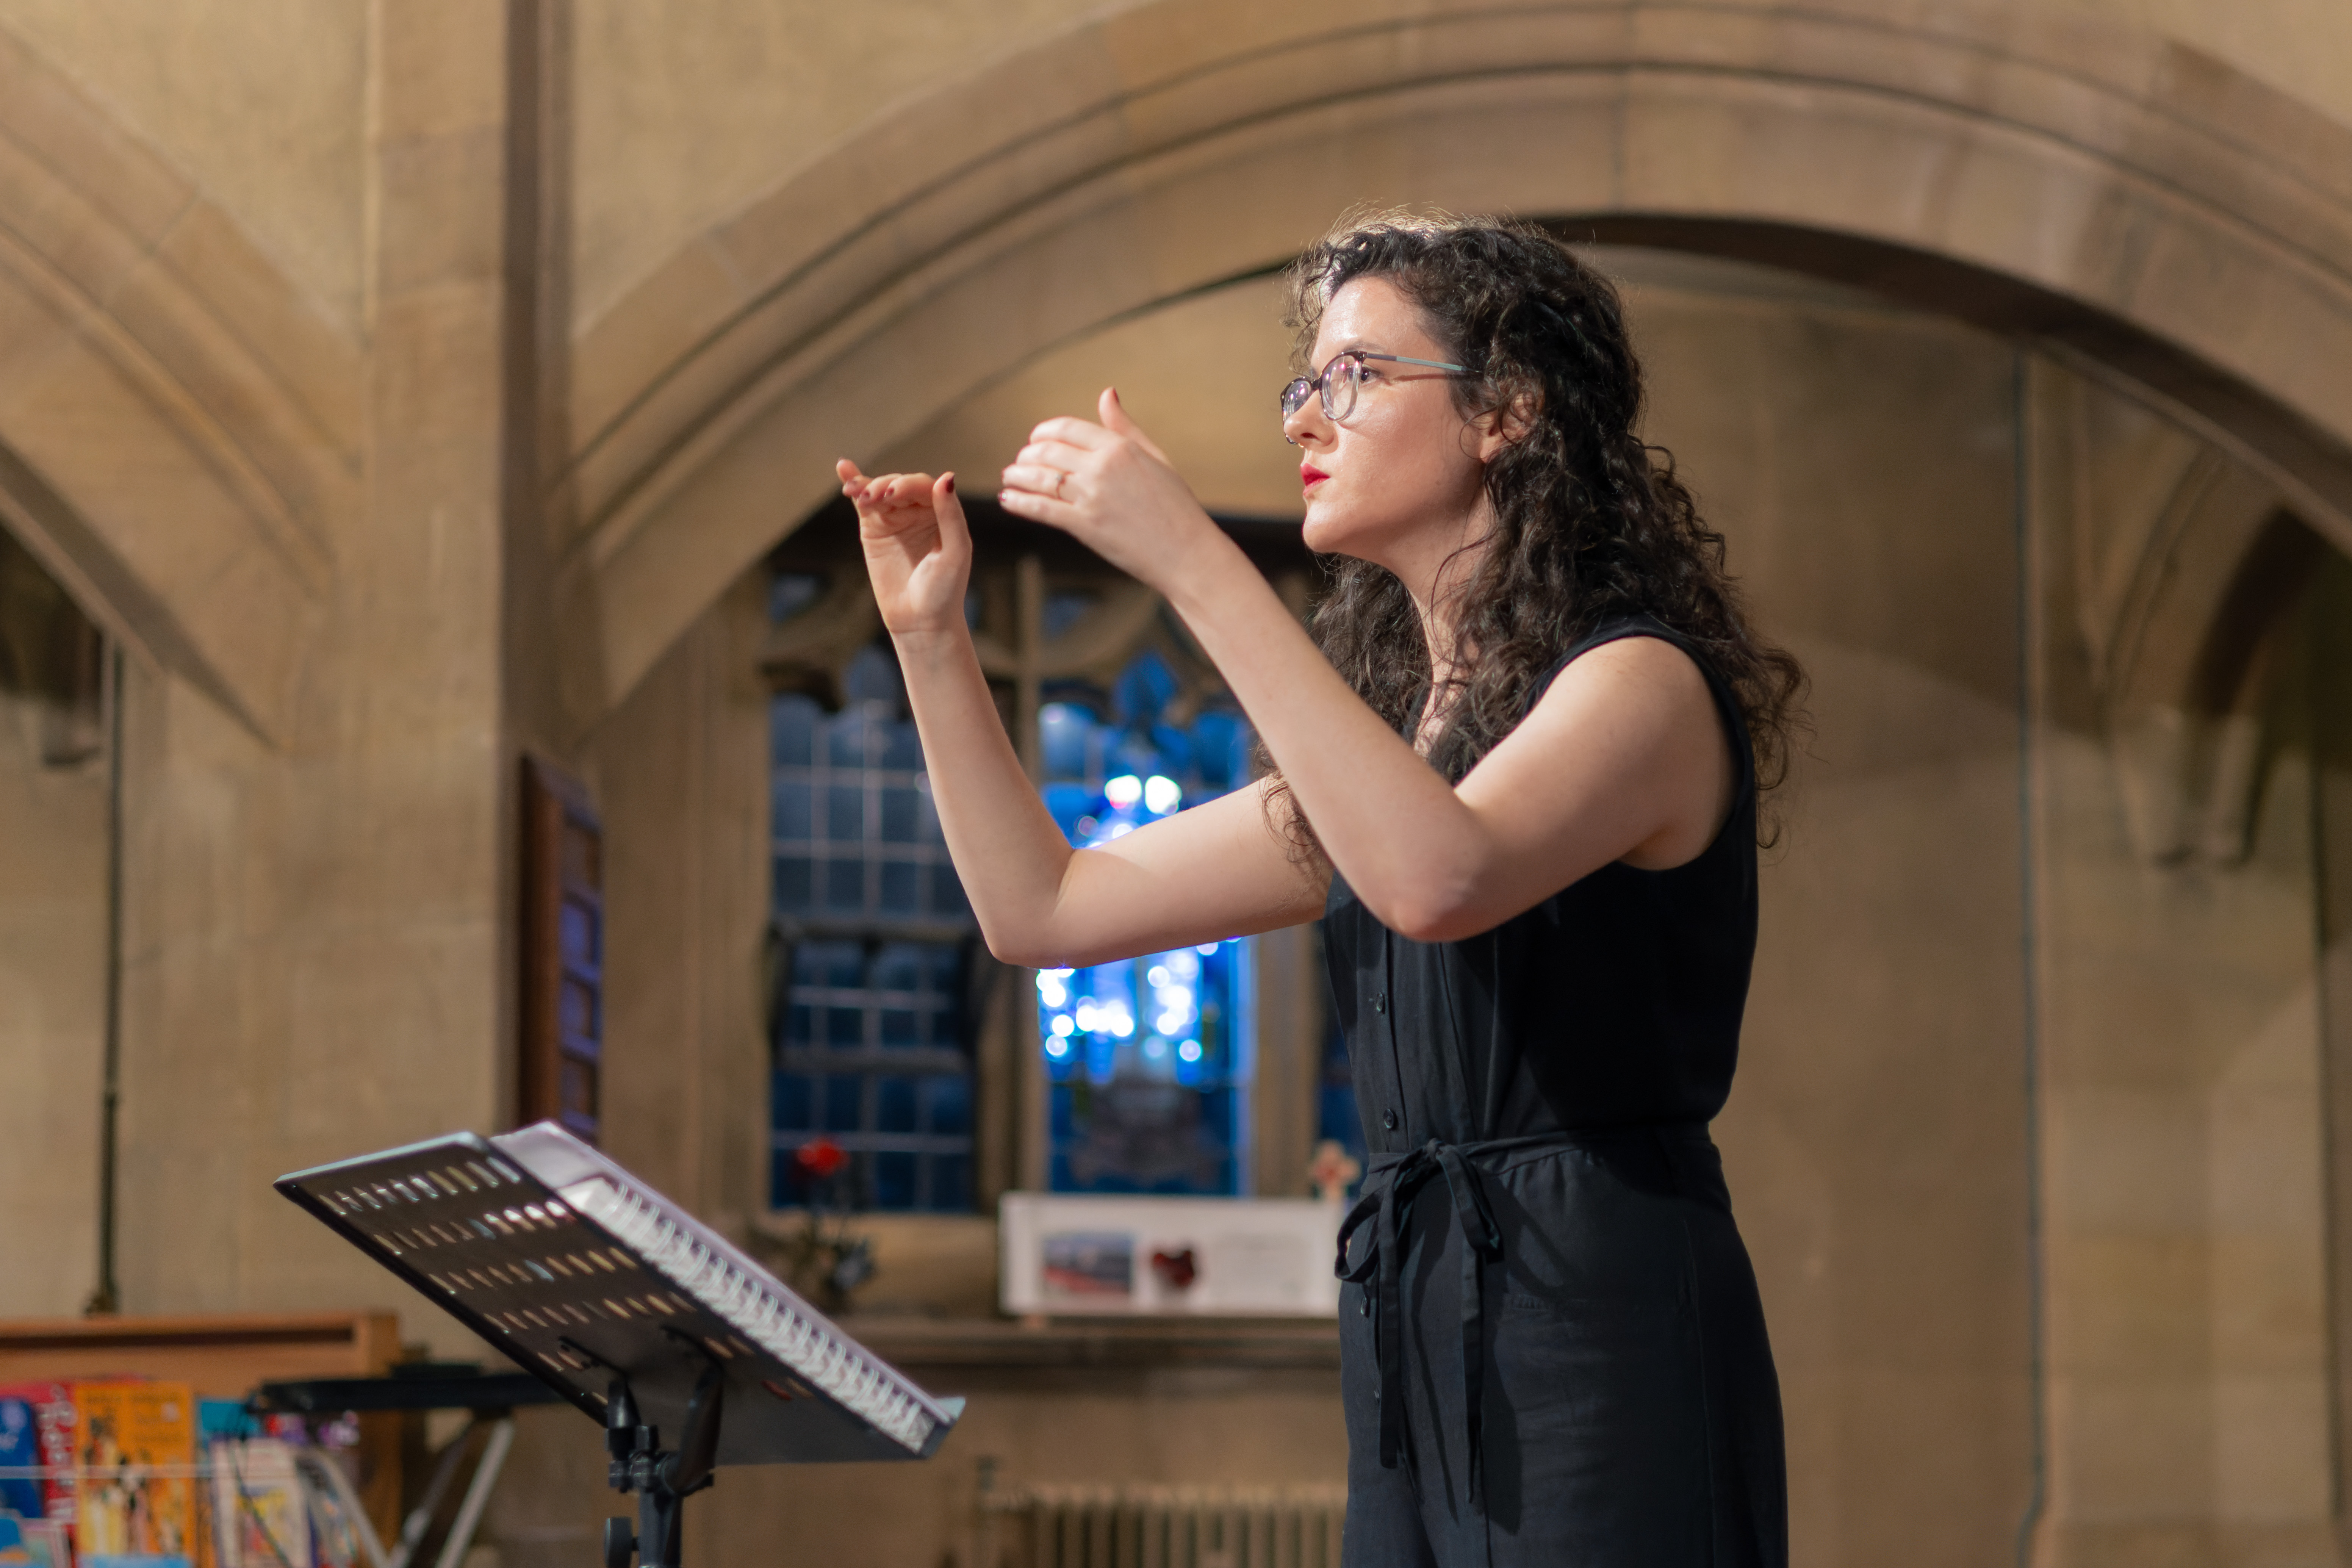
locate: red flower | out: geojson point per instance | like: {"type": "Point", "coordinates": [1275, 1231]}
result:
{"type": "Point", "coordinates": [820, 1157]}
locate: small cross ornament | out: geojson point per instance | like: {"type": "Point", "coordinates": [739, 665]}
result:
{"type": "Point", "coordinates": [1331, 1171]}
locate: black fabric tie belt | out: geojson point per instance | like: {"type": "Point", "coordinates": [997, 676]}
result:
{"type": "Point", "coordinates": [1383, 1261]}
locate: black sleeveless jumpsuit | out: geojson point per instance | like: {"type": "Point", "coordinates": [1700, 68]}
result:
{"type": "Point", "coordinates": [1552, 1349]}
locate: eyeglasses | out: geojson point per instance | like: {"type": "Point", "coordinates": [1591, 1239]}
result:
{"type": "Point", "coordinates": [1339, 380]}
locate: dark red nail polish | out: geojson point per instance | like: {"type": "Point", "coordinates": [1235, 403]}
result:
{"type": "Point", "coordinates": [951, 484]}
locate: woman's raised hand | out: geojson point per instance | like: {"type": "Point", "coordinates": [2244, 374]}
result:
{"type": "Point", "coordinates": [1110, 487]}
{"type": "Point", "coordinates": [918, 546]}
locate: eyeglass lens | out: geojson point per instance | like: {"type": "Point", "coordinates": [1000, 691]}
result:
{"type": "Point", "coordinates": [1338, 384]}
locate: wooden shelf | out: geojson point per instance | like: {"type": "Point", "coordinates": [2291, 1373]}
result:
{"type": "Point", "coordinates": [221, 1357]}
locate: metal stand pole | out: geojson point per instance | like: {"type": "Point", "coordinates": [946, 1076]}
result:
{"type": "Point", "coordinates": [662, 1481]}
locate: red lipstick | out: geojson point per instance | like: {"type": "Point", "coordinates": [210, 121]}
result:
{"type": "Point", "coordinates": [1310, 476]}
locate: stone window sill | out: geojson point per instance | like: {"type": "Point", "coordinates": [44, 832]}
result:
{"type": "Point", "coordinates": [932, 1305]}
{"type": "Point", "coordinates": [912, 1341]}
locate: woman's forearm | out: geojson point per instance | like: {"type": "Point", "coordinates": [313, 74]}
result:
{"type": "Point", "coordinates": [1006, 847]}
{"type": "Point", "coordinates": [1597, 770]}
{"type": "Point", "coordinates": [1406, 843]}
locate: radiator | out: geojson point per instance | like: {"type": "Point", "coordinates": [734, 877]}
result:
{"type": "Point", "coordinates": [1159, 1526]}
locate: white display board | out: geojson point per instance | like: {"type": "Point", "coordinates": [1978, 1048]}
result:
{"type": "Point", "coordinates": [1071, 1255]}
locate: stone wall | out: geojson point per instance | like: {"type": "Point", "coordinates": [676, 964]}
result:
{"type": "Point", "coordinates": [1927, 1077]}
{"type": "Point", "coordinates": [412, 384]}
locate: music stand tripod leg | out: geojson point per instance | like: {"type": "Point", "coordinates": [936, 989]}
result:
{"type": "Point", "coordinates": [477, 1493]}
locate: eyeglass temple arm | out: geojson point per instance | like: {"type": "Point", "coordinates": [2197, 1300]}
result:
{"type": "Point", "coordinates": [1407, 359]}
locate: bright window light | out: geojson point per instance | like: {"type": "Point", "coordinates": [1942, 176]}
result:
{"type": "Point", "coordinates": [1142, 1038]}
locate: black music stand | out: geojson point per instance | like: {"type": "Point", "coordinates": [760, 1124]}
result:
{"type": "Point", "coordinates": [629, 1308]}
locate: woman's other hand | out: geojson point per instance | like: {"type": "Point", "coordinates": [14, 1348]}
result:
{"type": "Point", "coordinates": [917, 547]}
{"type": "Point", "coordinates": [1110, 487]}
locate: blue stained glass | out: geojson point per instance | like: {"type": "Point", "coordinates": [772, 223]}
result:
{"type": "Point", "coordinates": [1063, 731]}
{"type": "Point", "coordinates": [1148, 1077]}
{"type": "Point", "coordinates": [1144, 687]}
{"type": "Point", "coordinates": [792, 731]}
{"type": "Point", "coordinates": [1217, 1117]}
{"type": "Point", "coordinates": [947, 903]}
{"type": "Point", "coordinates": [901, 821]}
{"type": "Point", "coordinates": [793, 1105]}
{"type": "Point", "coordinates": [845, 745]}
{"type": "Point", "coordinates": [950, 1181]}
{"type": "Point", "coordinates": [894, 1106]}
{"type": "Point", "coordinates": [1069, 801]}
{"type": "Point", "coordinates": [788, 813]}
{"type": "Point", "coordinates": [949, 1105]}
{"type": "Point", "coordinates": [894, 1181]}
{"type": "Point", "coordinates": [825, 964]}
{"type": "Point", "coordinates": [1064, 610]}
{"type": "Point", "coordinates": [1221, 750]}
{"type": "Point", "coordinates": [873, 676]}
{"type": "Point", "coordinates": [844, 813]}
{"type": "Point", "coordinates": [897, 966]}
{"type": "Point", "coordinates": [791, 883]}
{"type": "Point", "coordinates": [862, 851]}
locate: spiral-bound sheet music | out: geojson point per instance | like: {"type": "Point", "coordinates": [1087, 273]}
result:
{"type": "Point", "coordinates": [559, 1256]}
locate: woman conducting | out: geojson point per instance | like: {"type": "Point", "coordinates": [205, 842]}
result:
{"type": "Point", "coordinates": [1515, 771]}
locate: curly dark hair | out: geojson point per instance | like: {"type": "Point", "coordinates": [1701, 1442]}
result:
{"type": "Point", "coordinates": [1590, 525]}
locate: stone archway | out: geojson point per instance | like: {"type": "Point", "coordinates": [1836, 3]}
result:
{"type": "Point", "coordinates": [2114, 189]}
{"type": "Point", "coordinates": [179, 430]}
{"type": "Point", "coordinates": [2106, 195]}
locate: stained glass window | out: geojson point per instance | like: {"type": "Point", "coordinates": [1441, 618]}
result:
{"type": "Point", "coordinates": [872, 1030]}
{"type": "Point", "coordinates": [1148, 1061]}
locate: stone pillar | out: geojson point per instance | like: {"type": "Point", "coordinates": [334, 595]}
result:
{"type": "Point", "coordinates": [319, 942]}
{"type": "Point", "coordinates": [2185, 1357]}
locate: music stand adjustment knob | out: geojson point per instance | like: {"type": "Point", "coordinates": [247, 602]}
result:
{"type": "Point", "coordinates": [620, 1543]}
